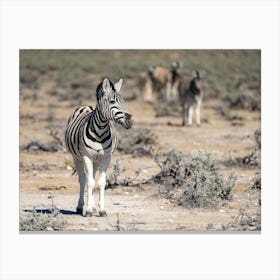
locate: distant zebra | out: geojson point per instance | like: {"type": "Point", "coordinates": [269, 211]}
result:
{"type": "Point", "coordinates": [91, 139]}
{"type": "Point", "coordinates": [163, 80]}
{"type": "Point", "coordinates": [190, 93]}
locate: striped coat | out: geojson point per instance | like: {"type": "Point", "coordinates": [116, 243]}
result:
{"type": "Point", "coordinates": [91, 138]}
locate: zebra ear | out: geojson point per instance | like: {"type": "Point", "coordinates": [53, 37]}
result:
{"type": "Point", "coordinates": [195, 74]}
{"type": "Point", "coordinates": [118, 85]}
{"type": "Point", "coordinates": [106, 85]}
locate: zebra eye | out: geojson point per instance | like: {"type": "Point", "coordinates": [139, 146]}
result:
{"type": "Point", "coordinates": [112, 101]}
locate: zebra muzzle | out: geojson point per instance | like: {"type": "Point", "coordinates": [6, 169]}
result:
{"type": "Point", "coordinates": [128, 120]}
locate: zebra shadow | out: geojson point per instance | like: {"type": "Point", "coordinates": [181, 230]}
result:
{"type": "Point", "coordinates": [50, 211]}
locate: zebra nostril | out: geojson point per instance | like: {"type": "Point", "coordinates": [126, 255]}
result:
{"type": "Point", "coordinates": [128, 116]}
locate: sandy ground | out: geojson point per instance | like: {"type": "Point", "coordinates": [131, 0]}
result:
{"type": "Point", "coordinates": [140, 207]}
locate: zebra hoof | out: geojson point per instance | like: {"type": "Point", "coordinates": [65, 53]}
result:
{"type": "Point", "coordinates": [88, 214]}
{"type": "Point", "coordinates": [102, 213]}
{"type": "Point", "coordinates": [79, 210]}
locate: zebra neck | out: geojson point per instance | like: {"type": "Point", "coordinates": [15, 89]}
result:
{"type": "Point", "coordinates": [98, 119]}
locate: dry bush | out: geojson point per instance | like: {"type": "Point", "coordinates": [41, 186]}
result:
{"type": "Point", "coordinates": [35, 146]}
{"type": "Point", "coordinates": [49, 219]}
{"type": "Point", "coordinates": [113, 179]}
{"type": "Point", "coordinates": [252, 159]}
{"type": "Point", "coordinates": [258, 139]}
{"type": "Point", "coordinates": [255, 157]}
{"type": "Point", "coordinates": [136, 141]}
{"type": "Point", "coordinates": [192, 180]}
{"type": "Point", "coordinates": [257, 182]}
{"type": "Point", "coordinates": [118, 178]}
{"type": "Point", "coordinates": [241, 100]}
{"type": "Point", "coordinates": [41, 221]}
{"type": "Point", "coordinates": [245, 221]}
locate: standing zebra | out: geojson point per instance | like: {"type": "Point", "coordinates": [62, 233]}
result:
{"type": "Point", "coordinates": [190, 92]}
{"type": "Point", "coordinates": [91, 139]}
{"type": "Point", "coordinates": [163, 80]}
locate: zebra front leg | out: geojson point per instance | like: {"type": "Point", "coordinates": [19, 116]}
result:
{"type": "Point", "coordinates": [102, 183]}
{"type": "Point", "coordinates": [90, 171]}
{"type": "Point", "coordinates": [82, 180]}
{"type": "Point", "coordinates": [197, 111]}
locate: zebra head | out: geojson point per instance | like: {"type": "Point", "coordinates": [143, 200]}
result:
{"type": "Point", "coordinates": [196, 82]}
{"type": "Point", "coordinates": [111, 103]}
{"type": "Point", "coordinates": [175, 71]}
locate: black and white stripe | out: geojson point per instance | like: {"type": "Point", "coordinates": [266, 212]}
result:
{"type": "Point", "coordinates": [91, 138]}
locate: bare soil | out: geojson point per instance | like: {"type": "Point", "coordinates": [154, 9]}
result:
{"type": "Point", "coordinates": [140, 207]}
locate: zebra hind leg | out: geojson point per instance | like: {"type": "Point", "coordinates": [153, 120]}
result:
{"type": "Point", "coordinates": [189, 114]}
{"type": "Point", "coordinates": [183, 115]}
{"type": "Point", "coordinates": [197, 111]}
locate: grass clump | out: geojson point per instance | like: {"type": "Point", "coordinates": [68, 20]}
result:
{"type": "Point", "coordinates": [192, 180]}
{"type": "Point", "coordinates": [136, 141]}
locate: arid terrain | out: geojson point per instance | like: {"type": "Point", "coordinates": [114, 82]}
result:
{"type": "Point", "coordinates": [49, 189]}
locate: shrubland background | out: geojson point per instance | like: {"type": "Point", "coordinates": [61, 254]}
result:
{"type": "Point", "coordinates": [163, 176]}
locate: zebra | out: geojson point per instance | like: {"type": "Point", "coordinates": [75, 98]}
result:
{"type": "Point", "coordinates": [190, 93]}
{"type": "Point", "coordinates": [91, 139]}
{"type": "Point", "coordinates": [163, 80]}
